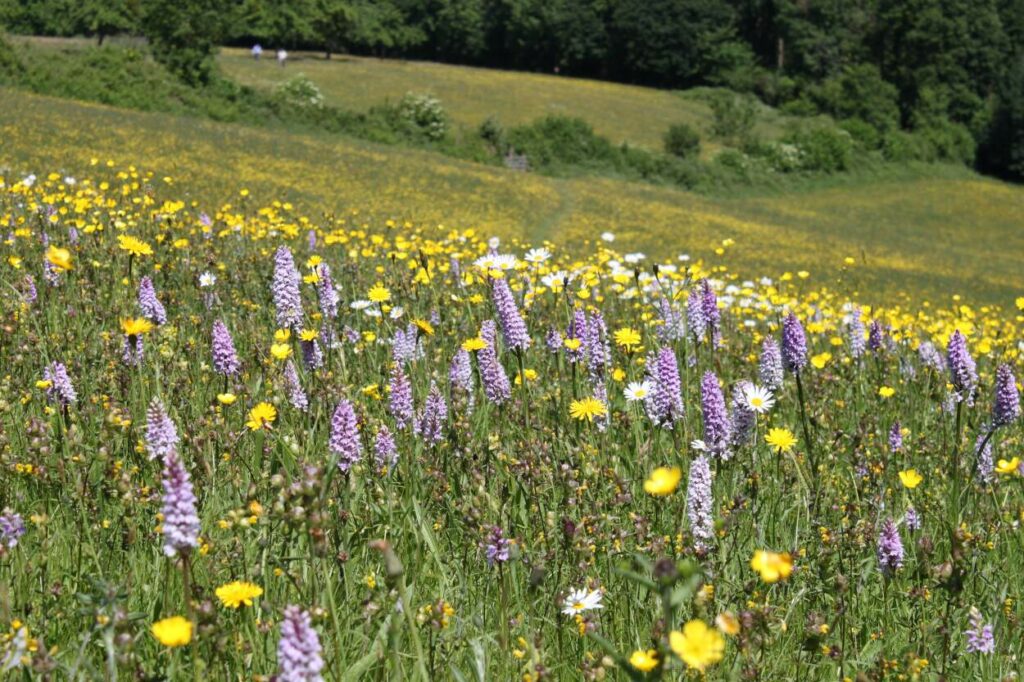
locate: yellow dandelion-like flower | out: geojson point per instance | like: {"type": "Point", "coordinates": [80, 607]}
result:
{"type": "Point", "coordinates": [134, 246]}
{"type": "Point", "coordinates": [238, 593]}
{"type": "Point", "coordinates": [379, 293]}
{"type": "Point", "coordinates": [261, 416]}
{"type": "Point", "coordinates": [771, 566]}
{"type": "Point", "coordinates": [587, 408]}
{"type": "Point", "coordinates": [59, 258]}
{"type": "Point", "coordinates": [697, 645]}
{"type": "Point", "coordinates": [663, 481]}
{"type": "Point", "coordinates": [136, 326]}
{"type": "Point", "coordinates": [173, 632]}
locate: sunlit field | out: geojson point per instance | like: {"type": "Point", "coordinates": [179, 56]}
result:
{"type": "Point", "coordinates": [951, 233]}
{"type": "Point", "coordinates": [280, 405]}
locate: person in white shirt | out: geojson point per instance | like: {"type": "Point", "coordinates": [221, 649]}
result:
{"type": "Point", "coordinates": [282, 56]}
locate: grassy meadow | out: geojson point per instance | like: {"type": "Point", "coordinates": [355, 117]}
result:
{"type": "Point", "coordinates": [930, 232]}
{"type": "Point", "coordinates": [622, 113]}
{"type": "Point", "coordinates": [280, 405]}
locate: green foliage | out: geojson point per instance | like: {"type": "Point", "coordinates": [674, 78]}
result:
{"type": "Point", "coordinates": [300, 92]}
{"type": "Point", "coordinates": [1003, 149]}
{"type": "Point", "coordinates": [423, 115]}
{"type": "Point", "coordinates": [183, 35]}
{"type": "Point", "coordinates": [822, 149]}
{"type": "Point", "coordinates": [734, 116]}
{"type": "Point", "coordinates": [555, 141]}
{"type": "Point", "coordinates": [860, 92]}
{"type": "Point", "coordinates": [682, 140]}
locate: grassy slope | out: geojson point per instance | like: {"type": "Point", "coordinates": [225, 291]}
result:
{"type": "Point", "coordinates": [623, 113]}
{"type": "Point", "coordinates": [929, 236]}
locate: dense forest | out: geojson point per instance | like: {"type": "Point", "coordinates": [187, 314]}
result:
{"type": "Point", "coordinates": [952, 69]}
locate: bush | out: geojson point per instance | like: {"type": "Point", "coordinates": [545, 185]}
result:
{"type": "Point", "coordinates": [423, 116]}
{"type": "Point", "coordinates": [822, 149]}
{"type": "Point", "coordinates": [299, 92]}
{"type": "Point", "coordinates": [492, 132]}
{"type": "Point", "coordinates": [559, 141]}
{"type": "Point", "coordinates": [948, 141]}
{"type": "Point", "coordinates": [860, 92]}
{"type": "Point", "coordinates": [734, 116]}
{"type": "Point", "coordinates": [10, 65]}
{"type": "Point", "coordinates": [681, 140]}
{"type": "Point", "coordinates": [863, 133]}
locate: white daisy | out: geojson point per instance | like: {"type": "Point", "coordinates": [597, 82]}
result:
{"type": "Point", "coordinates": [699, 445]}
{"type": "Point", "coordinates": [496, 262]}
{"type": "Point", "coordinates": [637, 390]}
{"type": "Point", "coordinates": [360, 305]}
{"type": "Point", "coordinates": [207, 279]}
{"type": "Point", "coordinates": [555, 280]}
{"type": "Point", "coordinates": [758, 399]}
{"type": "Point", "coordinates": [608, 237]}
{"type": "Point", "coordinates": [579, 601]}
{"type": "Point", "coordinates": [396, 312]}
{"type": "Point", "coordinates": [537, 256]}
{"type": "Point", "coordinates": [634, 258]}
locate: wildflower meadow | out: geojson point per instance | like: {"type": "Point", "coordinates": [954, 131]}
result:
{"type": "Point", "coordinates": [240, 443]}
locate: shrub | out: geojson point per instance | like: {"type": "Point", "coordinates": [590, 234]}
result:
{"type": "Point", "coordinates": [492, 132]}
{"type": "Point", "coordinates": [861, 92]}
{"type": "Point", "coordinates": [299, 92]}
{"type": "Point", "coordinates": [559, 141]}
{"type": "Point", "coordinates": [863, 133]}
{"type": "Point", "coordinates": [423, 116]}
{"type": "Point", "coordinates": [734, 116]}
{"type": "Point", "coordinates": [822, 148]}
{"type": "Point", "coordinates": [681, 140]}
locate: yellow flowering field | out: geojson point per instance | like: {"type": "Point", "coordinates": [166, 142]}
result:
{"type": "Point", "coordinates": [278, 407]}
{"type": "Point", "coordinates": [952, 233]}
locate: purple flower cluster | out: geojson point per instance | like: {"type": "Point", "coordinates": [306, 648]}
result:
{"type": "Point", "coordinates": [984, 468]}
{"type": "Point", "coordinates": [12, 527]}
{"type": "Point", "coordinates": [431, 420]}
{"type": "Point", "coordinates": [149, 304]}
{"type": "Point", "coordinates": [890, 547]}
{"type": "Point", "coordinates": [497, 386]}
{"type": "Point", "coordinates": [161, 434]}
{"type": "Point", "coordinates": [312, 353]}
{"type": "Point", "coordinates": [344, 440]}
{"type": "Point", "coordinates": [665, 404]}
{"type": "Point", "coordinates": [60, 390]}
{"type": "Point", "coordinates": [285, 289]}
{"type": "Point", "coordinates": [326, 293]}
{"type": "Point", "coordinates": [896, 437]}
{"type": "Point", "coordinates": [876, 337]}
{"type": "Point", "coordinates": [385, 452]}
{"type": "Point", "coordinates": [930, 356]}
{"type": "Point", "coordinates": [1006, 406]}
{"type": "Point", "coordinates": [743, 418]}
{"type": "Point", "coordinates": [577, 330]}
{"type": "Point", "coordinates": [980, 639]}
{"type": "Point", "coordinates": [298, 651]}
{"type": "Point", "coordinates": [962, 370]}
{"type": "Point", "coordinates": [181, 522]}
{"type": "Point", "coordinates": [225, 359]}
{"type": "Point", "coordinates": [794, 344]}
{"type": "Point", "coordinates": [296, 394]}
{"type": "Point", "coordinates": [699, 503]}
{"type": "Point", "coordinates": [132, 351]}
{"type": "Point", "coordinates": [709, 302]}
{"type": "Point", "coordinates": [405, 344]}
{"type": "Point", "coordinates": [496, 547]}
{"type": "Point", "coordinates": [460, 376]}
{"type": "Point", "coordinates": [671, 328]}
{"type": "Point", "coordinates": [856, 334]}
{"type": "Point", "coordinates": [716, 419]}
{"type": "Point", "coordinates": [400, 398]}
{"type": "Point", "coordinates": [696, 321]}
{"type": "Point", "coordinates": [513, 327]}
{"type": "Point", "coordinates": [769, 370]}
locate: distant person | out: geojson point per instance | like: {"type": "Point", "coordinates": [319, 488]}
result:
{"type": "Point", "coordinates": [282, 57]}
{"type": "Point", "coordinates": [257, 51]}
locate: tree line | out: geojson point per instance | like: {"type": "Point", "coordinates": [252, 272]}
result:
{"type": "Point", "coordinates": [955, 67]}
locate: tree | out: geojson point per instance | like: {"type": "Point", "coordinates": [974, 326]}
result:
{"type": "Point", "coordinates": [664, 42]}
{"type": "Point", "coordinates": [102, 18]}
{"type": "Point", "coordinates": [332, 22]}
{"type": "Point", "coordinates": [1002, 151]}
{"type": "Point", "coordinates": [184, 34]}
